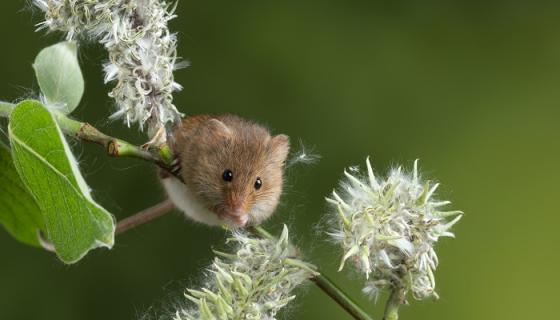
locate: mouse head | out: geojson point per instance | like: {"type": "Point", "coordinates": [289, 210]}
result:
{"type": "Point", "coordinates": [235, 167]}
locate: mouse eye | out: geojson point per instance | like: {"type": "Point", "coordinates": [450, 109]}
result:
{"type": "Point", "coordinates": [227, 175]}
{"type": "Point", "coordinates": [258, 183]}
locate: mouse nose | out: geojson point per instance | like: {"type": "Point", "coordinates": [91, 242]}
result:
{"type": "Point", "coordinates": [241, 220]}
{"type": "Point", "coordinates": [237, 216]}
{"type": "Point", "coordinates": [237, 211]}
{"type": "Point", "coordinates": [237, 206]}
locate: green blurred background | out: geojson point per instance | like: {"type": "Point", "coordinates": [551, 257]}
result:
{"type": "Point", "coordinates": [470, 88]}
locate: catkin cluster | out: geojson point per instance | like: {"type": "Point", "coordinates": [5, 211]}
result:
{"type": "Point", "coordinates": [388, 229]}
{"type": "Point", "coordinates": [142, 52]}
{"type": "Point", "coordinates": [254, 283]}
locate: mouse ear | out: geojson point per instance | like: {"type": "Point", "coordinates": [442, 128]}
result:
{"type": "Point", "coordinates": [218, 128]}
{"type": "Point", "coordinates": [280, 147]}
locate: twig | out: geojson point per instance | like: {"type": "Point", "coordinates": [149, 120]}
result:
{"type": "Point", "coordinates": [340, 297]}
{"type": "Point", "coordinates": [144, 216]}
{"type": "Point", "coordinates": [125, 224]}
{"type": "Point", "coordinates": [160, 155]}
{"type": "Point", "coordinates": [114, 147]}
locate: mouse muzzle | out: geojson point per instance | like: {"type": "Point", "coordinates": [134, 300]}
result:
{"type": "Point", "coordinates": [236, 212]}
{"type": "Point", "coordinates": [238, 217]}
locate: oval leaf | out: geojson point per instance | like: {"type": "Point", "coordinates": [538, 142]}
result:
{"type": "Point", "coordinates": [74, 222]}
{"type": "Point", "coordinates": [60, 77]}
{"type": "Point", "coordinates": [19, 212]}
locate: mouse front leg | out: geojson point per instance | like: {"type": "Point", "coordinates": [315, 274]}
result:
{"type": "Point", "coordinates": [173, 171]}
{"type": "Point", "coordinates": [175, 167]}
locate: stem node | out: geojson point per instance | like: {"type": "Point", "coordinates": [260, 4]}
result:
{"type": "Point", "coordinates": [112, 150]}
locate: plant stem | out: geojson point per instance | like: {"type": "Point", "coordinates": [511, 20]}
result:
{"type": "Point", "coordinates": [144, 216]}
{"type": "Point", "coordinates": [327, 286]}
{"type": "Point", "coordinates": [340, 297]}
{"type": "Point", "coordinates": [393, 303]}
{"type": "Point", "coordinates": [115, 147]}
{"type": "Point", "coordinates": [161, 155]}
{"type": "Point", "coordinates": [127, 223]}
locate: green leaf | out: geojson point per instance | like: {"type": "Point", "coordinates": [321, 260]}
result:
{"type": "Point", "coordinates": [19, 212]}
{"type": "Point", "coordinates": [60, 77]}
{"type": "Point", "coordinates": [74, 222]}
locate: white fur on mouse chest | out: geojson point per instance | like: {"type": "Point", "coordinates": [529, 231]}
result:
{"type": "Point", "coordinates": [185, 201]}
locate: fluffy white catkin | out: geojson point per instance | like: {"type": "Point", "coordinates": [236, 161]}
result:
{"type": "Point", "coordinates": [253, 283]}
{"type": "Point", "coordinates": [388, 228]}
{"type": "Point", "coordinates": [142, 52]}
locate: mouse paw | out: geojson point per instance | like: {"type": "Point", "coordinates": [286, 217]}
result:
{"type": "Point", "coordinates": [173, 170]}
{"type": "Point", "coordinates": [175, 167]}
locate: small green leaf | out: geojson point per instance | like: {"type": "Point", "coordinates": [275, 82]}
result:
{"type": "Point", "coordinates": [74, 223]}
{"type": "Point", "coordinates": [19, 212]}
{"type": "Point", "coordinates": [60, 77]}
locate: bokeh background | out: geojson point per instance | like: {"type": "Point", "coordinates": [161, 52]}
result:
{"type": "Point", "coordinates": [472, 88]}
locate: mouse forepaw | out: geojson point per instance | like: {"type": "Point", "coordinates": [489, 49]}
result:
{"type": "Point", "coordinates": [175, 167]}
{"type": "Point", "coordinates": [172, 171]}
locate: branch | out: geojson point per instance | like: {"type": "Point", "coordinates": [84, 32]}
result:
{"type": "Point", "coordinates": [114, 147]}
{"type": "Point", "coordinates": [144, 216]}
{"type": "Point", "coordinates": [340, 297]}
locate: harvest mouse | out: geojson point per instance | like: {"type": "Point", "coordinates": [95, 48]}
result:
{"type": "Point", "coordinates": [232, 170]}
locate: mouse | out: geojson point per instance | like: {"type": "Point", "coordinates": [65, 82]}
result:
{"type": "Point", "coordinates": [230, 170]}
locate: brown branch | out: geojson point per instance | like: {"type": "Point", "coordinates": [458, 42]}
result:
{"type": "Point", "coordinates": [144, 216]}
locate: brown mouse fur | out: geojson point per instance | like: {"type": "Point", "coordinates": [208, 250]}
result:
{"type": "Point", "coordinates": [207, 146]}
